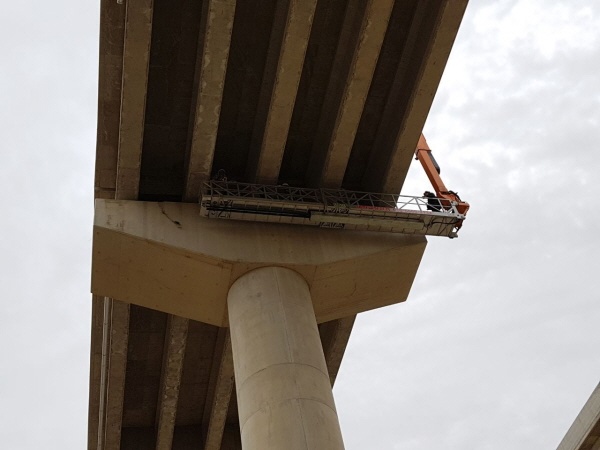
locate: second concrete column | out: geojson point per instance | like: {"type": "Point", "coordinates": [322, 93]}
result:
{"type": "Point", "coordinates": [283, 389]}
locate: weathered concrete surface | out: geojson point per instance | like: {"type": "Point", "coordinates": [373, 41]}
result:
{"type": "Point", "coordinates": [96, 369]}
{"type": "Point", "coordinates": [219, 393]}
{"type": "Point", "coordinates": [335, 336]}
{"type": "Point", "coordinates": [165, 256]}
{"type": "Point", "coordinates": [289, 37]}
{"type": "Point", "coordinates": [584, 434]}
{"type": "Point", "coordinates": [136, 57]}
{"type": "Point", "coordinates": [112, 29]}
{"type": "Point", "coordinates": [217, 23]}
{"type": "Point", "coordinates": [361, 38]}
{"type": "Point", "coordinates": [431, 35]}
{"type": "Point", "coordinates": [114, 365]}
{"type": "Point", "coordinates": [284, 394]}
{"type": "Point", "coordinates": [175, 343]}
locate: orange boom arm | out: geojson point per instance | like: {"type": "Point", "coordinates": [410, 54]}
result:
{"type": "Point", "coordinates": [447, 198]}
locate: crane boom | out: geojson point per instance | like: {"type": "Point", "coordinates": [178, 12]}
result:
{"type": "Point", "coordinates": [446, 198]}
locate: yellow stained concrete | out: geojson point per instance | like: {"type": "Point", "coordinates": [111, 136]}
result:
{"type": "Point", "coordinates": [165, 256]}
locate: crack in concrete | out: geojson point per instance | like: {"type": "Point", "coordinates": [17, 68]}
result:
{"type": "Point", "coordinates": [175, 222]}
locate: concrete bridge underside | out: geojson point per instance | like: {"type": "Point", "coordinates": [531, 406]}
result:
{"type": "Point", "coordinates": [311, 93]}
{"type": "Point", "coordinates": [584, 434]}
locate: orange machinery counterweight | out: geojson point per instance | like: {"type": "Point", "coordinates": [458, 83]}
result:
{"type": "Point", "coordinates": [447, 198]}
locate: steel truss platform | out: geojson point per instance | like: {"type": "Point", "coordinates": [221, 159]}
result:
{"type": "Point", "coordinates": [329, 208]}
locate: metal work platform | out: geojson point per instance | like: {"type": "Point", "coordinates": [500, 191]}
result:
{"type": "Point", "coordinates": [329, 208]}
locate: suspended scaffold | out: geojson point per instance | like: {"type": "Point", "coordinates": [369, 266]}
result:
{"type": "Point", "coordinates": [330, 208]}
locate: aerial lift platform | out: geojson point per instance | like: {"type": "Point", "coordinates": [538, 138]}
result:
{"type": "Point", "coordinates": [434, 214]}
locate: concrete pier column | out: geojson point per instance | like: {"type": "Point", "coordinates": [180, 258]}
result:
{"type": "Point", "coordinates": [283, 389]}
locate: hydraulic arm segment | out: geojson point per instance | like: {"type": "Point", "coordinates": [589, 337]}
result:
{"type": "Point", "coordinates": [443, 199]}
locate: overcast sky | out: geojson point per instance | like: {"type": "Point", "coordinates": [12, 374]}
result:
{"type": "Point", "coordinates": [497, 346]}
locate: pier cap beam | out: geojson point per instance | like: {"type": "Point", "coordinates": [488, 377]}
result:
{"type": "Point", "coordinates": [166, 257]}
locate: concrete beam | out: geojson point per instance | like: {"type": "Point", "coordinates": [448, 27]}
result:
{"type": "Point", "coordinates": [285, 58]}
{"type": "Point", "coordinates": [136, 56]}
{"type": "Point", "coordinates": [96, 349]}
{"type": "Point", "coordinates": [361, 38]}
{"type": "Point", "coordinates": [219, 392]}
{"type": "Point", "coordinates": [429, 42]}
{"type": "Point", "coordinates": [174, 353]}
{"type": "Point", "coordinates": [112, 28]}
{"type": "Point", "coordinates": [334, 337]}
{"type": "Point", "coordinates": [165, 256]}
{"type": "Point", "coordinates": [114, 361]}
{"type": "Point", "coordinates": [216, 26]}
{"type": "Point", "coordinates": [584, 434]}
{"type": "Point", "coordinates": [231, 437]}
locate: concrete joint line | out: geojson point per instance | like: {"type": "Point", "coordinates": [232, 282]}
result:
{"type": "Point", "coordinates": [289, 400]}
{"type": "Point", "coordinates": [240, 387]}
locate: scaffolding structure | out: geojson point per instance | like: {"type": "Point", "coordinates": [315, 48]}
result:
{"type": "Point", "coordinates": [329, 208]}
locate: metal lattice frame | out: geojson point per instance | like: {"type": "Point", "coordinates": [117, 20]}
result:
{"type": "Point", "coordinates": [328, 197]}
{"type": "Point", "coordinates": [331, 208]}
